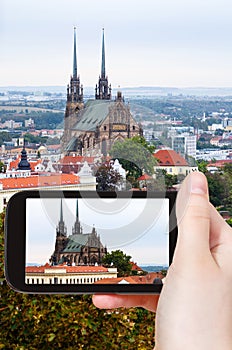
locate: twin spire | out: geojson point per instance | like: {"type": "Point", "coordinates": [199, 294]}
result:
{"type": "Point", "coordinates": [75, 56]}
{"type": "Point", "coordinates": [75, 90]}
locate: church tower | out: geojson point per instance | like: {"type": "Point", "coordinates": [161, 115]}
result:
{"type": "Point", "coordinates": [61, 238]}
{"type": "Point", "coordinates": [103, 89]}
{"type": "Point", "coordinates": [74, 99]}
{"type": "Point", "coordinates": [77, 229]}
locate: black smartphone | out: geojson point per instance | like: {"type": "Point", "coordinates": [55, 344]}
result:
{"type": "Point", "coordinates": [89, 242]}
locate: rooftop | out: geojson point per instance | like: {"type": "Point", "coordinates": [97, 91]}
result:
{"type": "Point", "coordinates": [68, 269]}
{"type": "Point", "coordinates": [36, 181]}
{"type": "Point", "coordinates": [168, 157]}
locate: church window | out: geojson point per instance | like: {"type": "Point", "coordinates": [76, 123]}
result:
{"type": "Point", "coordinates": [133, 127]}
{"type": "Point", "coordinates": [87, 280]}
{"type": "Point", "coordinates": [37, 281]}
{"type": "Point", "coordinates": [66, 280]}
{"type": "Point", "coordinates": [61, 281]}
{"type": "Point", "coordinates": [32, 280]}
{"type": "Point", "coordinates": [50, 280]}
{"type": "Point", "coordinates": [42, 281]}
{"type": "Point", "coordinates": [55, 280]}
{"type": "Point", "coordinates": [70, 281]}
{"type": "Point", "coordinates": [104, 127]}
{"type": "Point", "coordinates": [77, 280]}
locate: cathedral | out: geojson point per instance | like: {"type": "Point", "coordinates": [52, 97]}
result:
{"type": "Point", "coordinates": [91, 128]}
{"type": "Point", "coordinates": [78, 248]}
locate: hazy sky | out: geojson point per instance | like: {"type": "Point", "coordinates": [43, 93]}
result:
{"type": "Point", "coordinates": [139, 227]}
{"type": "Point", "coordinates": [148, 43]}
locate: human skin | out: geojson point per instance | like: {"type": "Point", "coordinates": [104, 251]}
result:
{"type": "Point", "coordinates": [194, 309]}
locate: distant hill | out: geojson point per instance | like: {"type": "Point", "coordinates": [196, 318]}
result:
{"type": "Point", "coordinates": [153, 268]}
{"type": "Point", "coordinates": [132, 91]}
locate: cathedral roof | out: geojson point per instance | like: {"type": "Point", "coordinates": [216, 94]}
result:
{"type": "Point", "coordinates": [76, 242]}
{"type": "Point", "coordinates": [94, 113]}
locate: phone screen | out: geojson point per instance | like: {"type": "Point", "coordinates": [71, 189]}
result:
{"type": "Point", "coordinates": [96, 240]}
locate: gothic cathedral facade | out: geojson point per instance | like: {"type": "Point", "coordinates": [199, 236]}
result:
{"type": "Point", "coordinates": [91, 128]}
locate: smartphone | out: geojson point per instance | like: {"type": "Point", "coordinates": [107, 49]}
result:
{"type": "Point", "coordinates": [89, 242]}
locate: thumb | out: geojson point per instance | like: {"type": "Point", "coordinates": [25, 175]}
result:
{"type": "Point", "coordinates": [193, 220]}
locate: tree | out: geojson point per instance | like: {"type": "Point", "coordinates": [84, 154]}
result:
{"type": "Point", "coordinates": [119, 260]}
{"type": "Point", "coordinates": [135, 155]}
{"type": "Point", "coordinates": [167, 179]}
{"type": "Point", "coordinates": [2, 167]}
{"type": "Point", "coordinates": [202, 166]}
{"type": "Point", "coordinates": [4, 136]}
{"type": "Point", "coordinates": [107, 178]}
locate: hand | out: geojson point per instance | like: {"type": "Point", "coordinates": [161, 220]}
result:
{"type": "Point", "coordinates": [195, 306]}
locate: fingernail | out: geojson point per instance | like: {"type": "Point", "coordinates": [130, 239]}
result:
{"type": "Point", "coordinates": [198, 184]}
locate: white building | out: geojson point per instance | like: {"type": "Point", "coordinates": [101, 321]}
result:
{"type": "Point", "coordinates": [63, 274]}
{"type": "Point", "coordinates": [185, 145]}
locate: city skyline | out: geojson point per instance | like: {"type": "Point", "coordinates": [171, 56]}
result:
{"type": "Point", "coordinates": [170, 43]}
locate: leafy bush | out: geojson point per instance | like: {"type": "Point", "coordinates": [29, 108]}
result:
{"type": "Point", "coordinates": [68, 322]}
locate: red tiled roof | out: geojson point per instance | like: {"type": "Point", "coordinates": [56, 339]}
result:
{"type": "Point", "coordinates": [14, 163]}
{"type": "Point", "coordinates": [76, 159]}
{"type": "Point", "coordinates": [168, 157]}
{"type": "Point", "coordinates": [149, 278]}
{"type": "Point", "coordinates": [135, 267]}
{"type": "Point", "coordinates": [69, 269]}
{"type": "Point", "coordinates": [39, 181]}
{"type": "Point", "coordinates": [144, 177]}
{"type": "Point", "coordinates": [34, 163]}
{"type": "Point", "coordinates": [220, 163]}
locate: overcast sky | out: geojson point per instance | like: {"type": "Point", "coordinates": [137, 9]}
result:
{"type": "Point", "coordinates": [148, 43]}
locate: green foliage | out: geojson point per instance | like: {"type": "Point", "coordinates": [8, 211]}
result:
{"type": "Point", "coordinates": [168, 179]}
{"type": "Point", "coordinates": [107, 178]}
{"type": "Point", "coordinates": [48, 322]}
{"type": "Point", "coordinates": [229, 222]}
{"type": "Point", "coordinates": [30, 138]}
{"type": "Point", "coordinates": [220, 187]}
{"type": "Point", "coordinates": [120, 260]}
{"type": "Point", "coordinates": [202, 166]}
{"type": "Point", "coordinates": [2, 167]}
{"type": "Point", "coordinates": [135, 155]}
{"type": "Point", "coordinates": [4, 136]}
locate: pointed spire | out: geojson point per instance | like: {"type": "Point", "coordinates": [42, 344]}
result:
{"type": "Point", "coordinates": [61, 211]}
{"type": "Point", "coordinates": [61, 229]}
{"type": "Point", "coordinates": [77, 228]}
{"type": "Point", "coordinates": [75, 56]}
{"type": "Point", "coordinates": [103, 67]}
{"type": "Point", "coordinates": [77, 210]}
{"type": "Point", "coordinates": [103, 89]}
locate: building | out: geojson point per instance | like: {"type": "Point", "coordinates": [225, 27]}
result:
{"type": "Point", "coordinates": [21, 178]}
{"type": "Point", "coordinates": [63, 274]}
{"type": "Point", "coordinates": [78, 248]}
{"type": "Point", "coordinates": [172, 162]}
{"type": "Point", "coordinates": [91, 128]}
{"type": "Point", "coordinates": [185, 145]}
{"type": "Point", "coordinates": [150, 278]}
